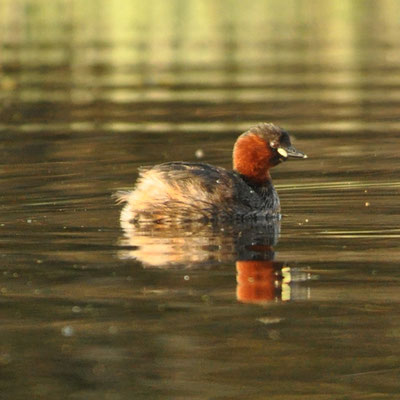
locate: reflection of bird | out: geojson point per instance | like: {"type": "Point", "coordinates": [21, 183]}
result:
{"type": "Point", "coordinates": [200, 245]}
{"type": "Point", "coordinates": [206, 246]}
{"type": "Point", "coordinates": [181, 191]}
{"type": "Point", "coordinates": [258, 280]}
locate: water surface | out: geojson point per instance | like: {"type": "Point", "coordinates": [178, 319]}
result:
{"type": "Point", "coordinates": [307, 308]}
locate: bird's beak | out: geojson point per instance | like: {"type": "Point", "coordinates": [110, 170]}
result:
{"type": "Point", "coordinates": [290, 152]}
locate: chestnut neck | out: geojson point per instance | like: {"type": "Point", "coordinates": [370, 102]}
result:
{"type": "Point", "coordinates": [252, 158]}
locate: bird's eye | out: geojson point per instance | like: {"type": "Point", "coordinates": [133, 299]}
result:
{"type": "Point", "coordinates": [274, 144]}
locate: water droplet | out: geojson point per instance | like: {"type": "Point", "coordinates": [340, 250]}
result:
{"type": "Point", "coordinates": [67, 331]}
{"type": "Point", "coordinates": [199, 153]}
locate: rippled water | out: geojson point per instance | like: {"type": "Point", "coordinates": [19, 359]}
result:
{"type": "Point", "coordinates": [304, 309]}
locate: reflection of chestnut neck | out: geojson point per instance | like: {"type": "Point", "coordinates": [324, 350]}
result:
{"type": "Point", "coordinates": [258, 281]}
{"type": "Point", "coordinates": [252, 158]}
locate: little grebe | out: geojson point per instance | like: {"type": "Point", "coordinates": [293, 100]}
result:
{"type": "Point", "coordinates": [184, 191]}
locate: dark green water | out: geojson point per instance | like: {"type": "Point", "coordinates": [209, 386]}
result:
{"type": "Point", "coordinates": [91, 90]}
